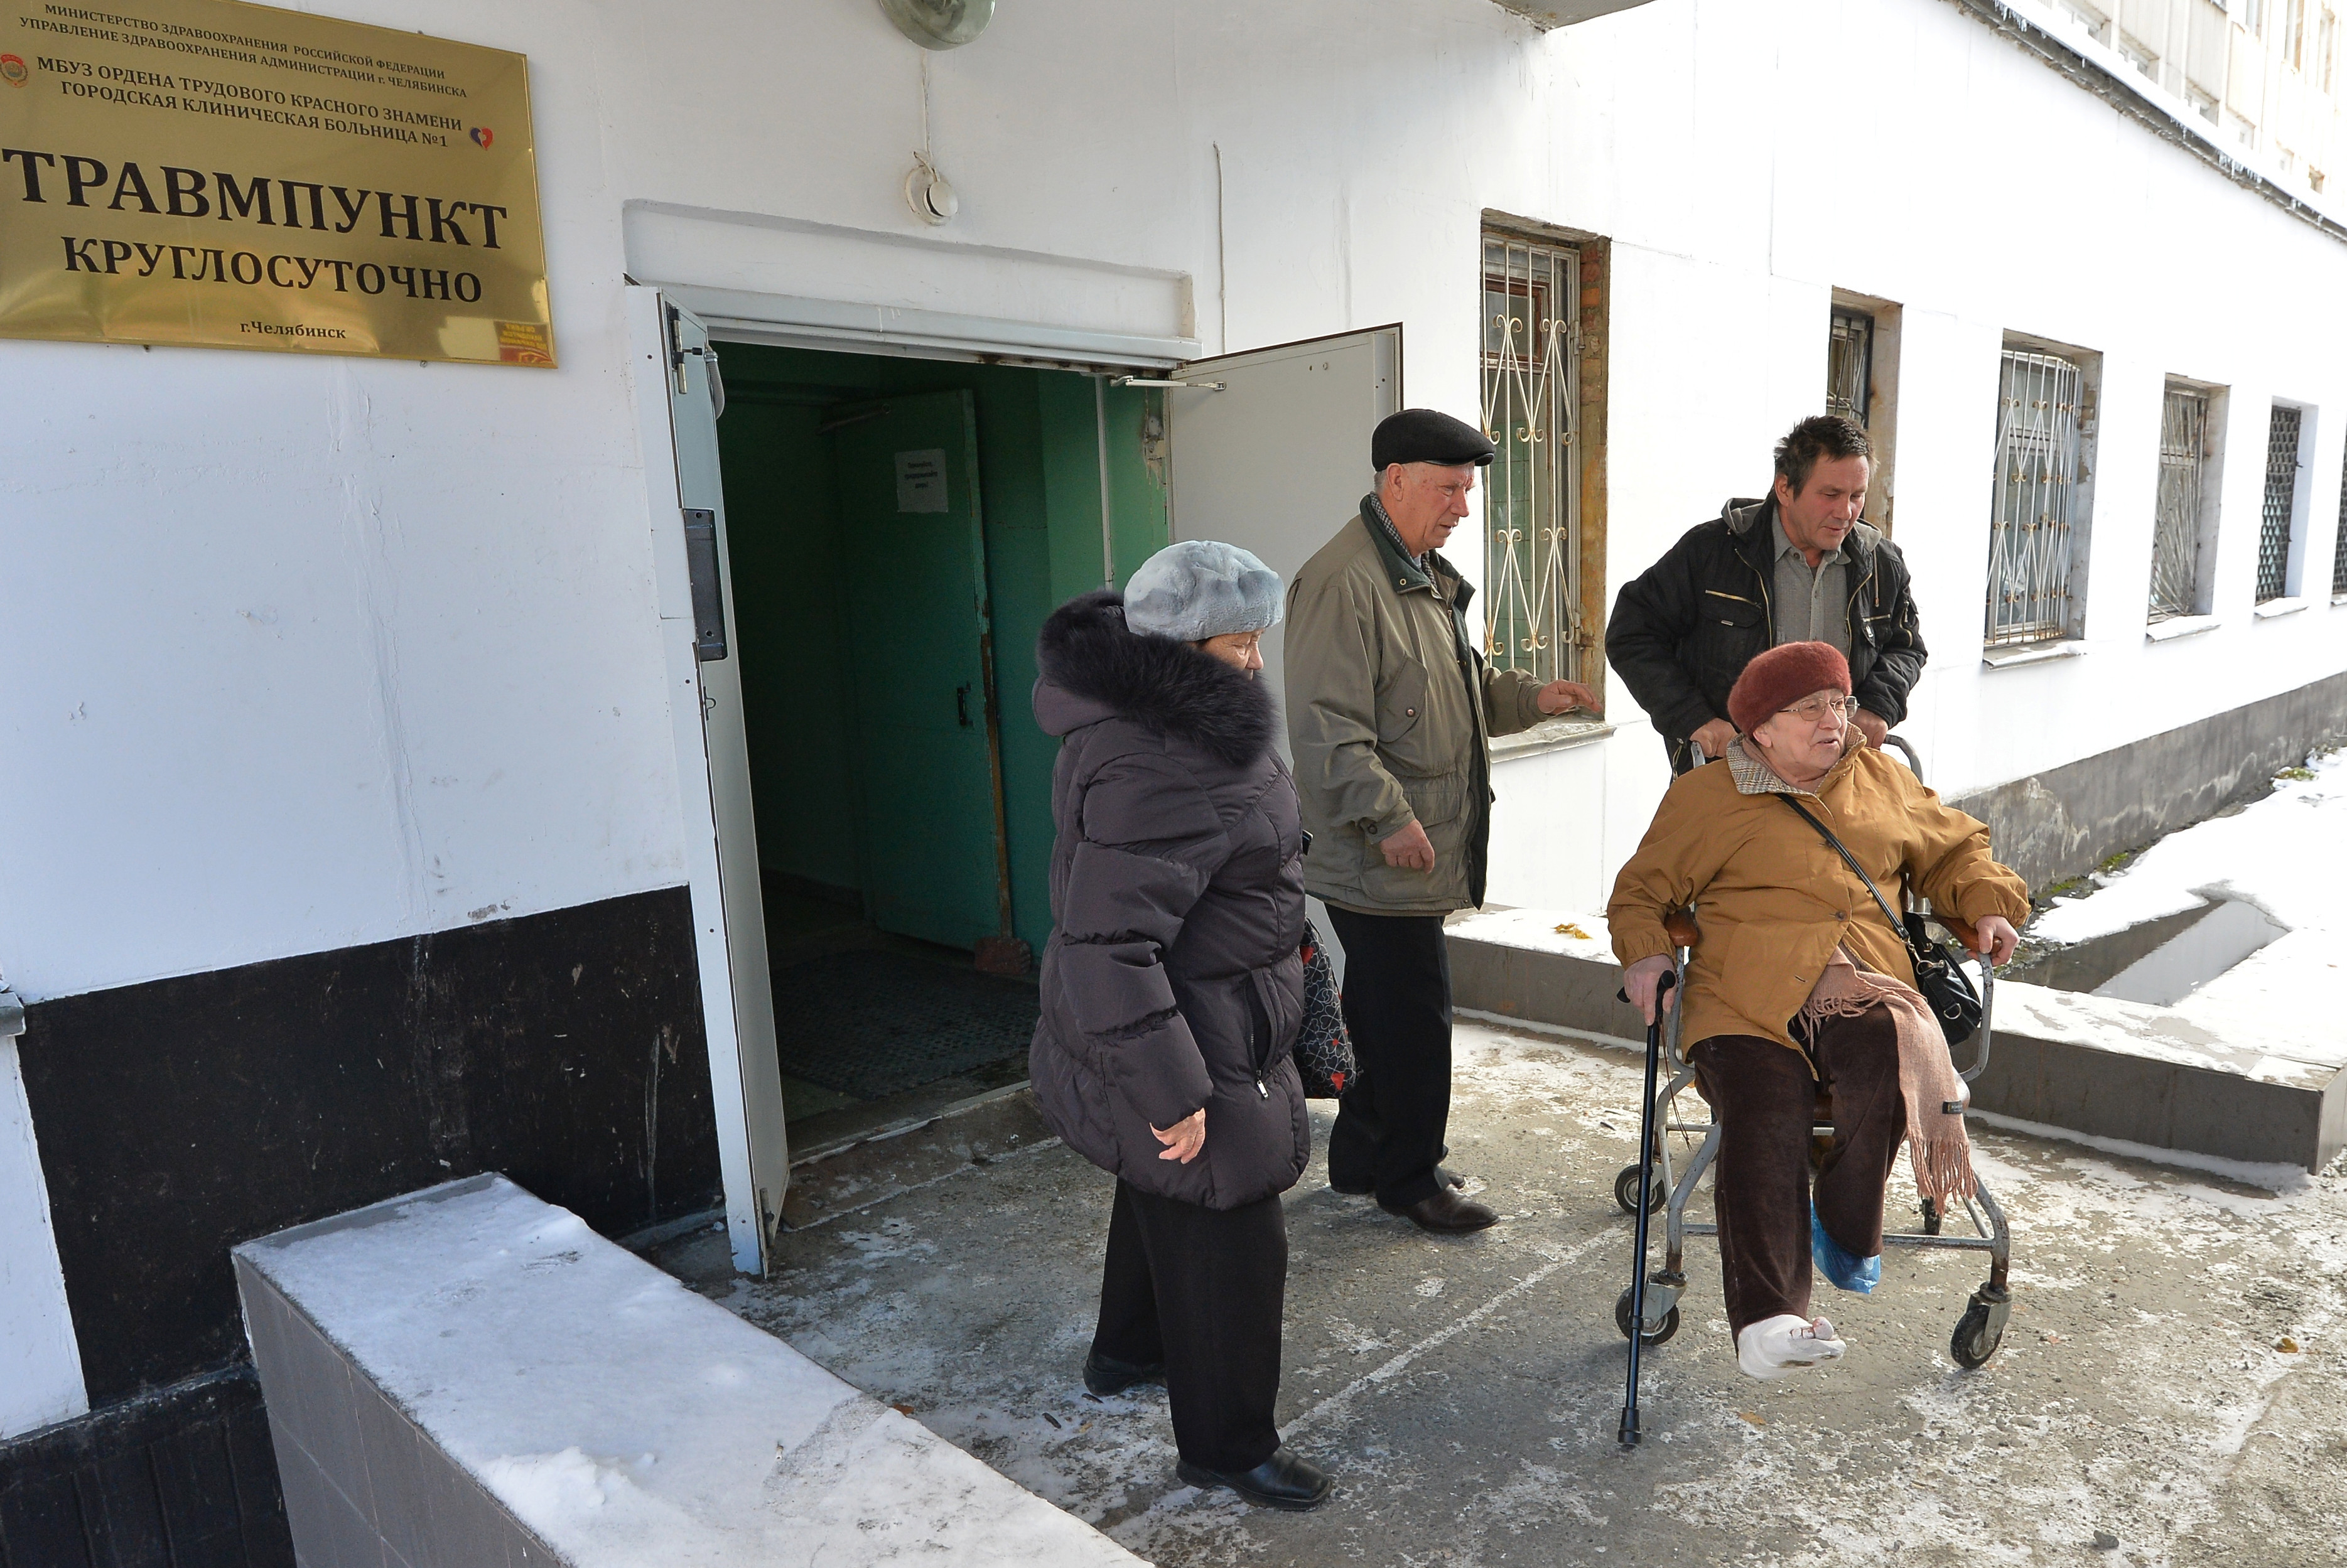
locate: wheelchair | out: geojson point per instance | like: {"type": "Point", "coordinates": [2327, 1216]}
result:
{"type": "Point", "coordinates": [1647, 1313]}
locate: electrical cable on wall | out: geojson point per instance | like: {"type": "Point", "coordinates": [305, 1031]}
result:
{"type": "Point", "coordinates": [928, 192]}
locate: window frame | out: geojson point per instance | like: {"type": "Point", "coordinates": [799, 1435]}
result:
{"type": "Point", "coordinates": [2066, 561]}
{"type": "Point", "coordinates": [2208, 506]}
{"type": "Point", "coordinates": [2284, 568]}
{"type": "Point", "coordinates": [1575, 638]}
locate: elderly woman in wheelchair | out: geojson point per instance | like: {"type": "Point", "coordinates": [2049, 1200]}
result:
{"type": "Point", "coordinates": [1800, 986]}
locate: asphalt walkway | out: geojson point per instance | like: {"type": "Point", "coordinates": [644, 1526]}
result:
{"type": "Point", "coordinates": [2171, 1392]}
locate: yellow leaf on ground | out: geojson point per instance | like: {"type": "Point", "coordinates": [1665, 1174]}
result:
{"type": "Point", "coordinates": [1569, 929]}
{"type": "Point", "coordinates": [1755, 1421]}
{"type": "Point", "coordinates": [2288, 1345]}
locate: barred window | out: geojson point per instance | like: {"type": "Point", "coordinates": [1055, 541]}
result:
{"type": "Point", "coordinates": [1850, 365]}
{"type": "Point", "coordinates": [2339, 550]}
{"type": "Point", "coordinates": [2040, 475]}
{"type": "Point", "coordinates": [1531, 502]}
{"type": "Point", "coordinates": [2274, 535]}
{"type": "Point", "coordinates": [2175, 531]}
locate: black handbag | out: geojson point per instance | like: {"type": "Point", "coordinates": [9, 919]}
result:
{"type": "Point", "coordinates": [1947, 990]}
{"type": "Point", "coordinates": [1324, 1052]}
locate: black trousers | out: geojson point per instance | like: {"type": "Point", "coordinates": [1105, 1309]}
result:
{"type": "Point", "coordinates": [1767, 1102]}
{"type": "Point", "coordinates": [1391, 1123]}
{"type": "Point", "coordinates": [1204, 1291]}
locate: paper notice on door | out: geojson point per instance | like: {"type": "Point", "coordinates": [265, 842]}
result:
{"type": "Point", "coordinates": [922, 480]}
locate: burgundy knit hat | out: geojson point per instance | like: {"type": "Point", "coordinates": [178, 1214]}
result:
{"type": "Point", "coordinates": [1781, 676]}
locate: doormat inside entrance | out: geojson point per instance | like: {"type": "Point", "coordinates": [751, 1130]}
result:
{"type": "Point", "coordinates": [873, 1023]}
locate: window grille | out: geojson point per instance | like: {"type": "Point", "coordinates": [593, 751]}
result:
{"type": "Point", "coordinates": [2281, 491]}
{"type": "Point", "coordinates": [1532, 503]}
{"type": "Point", "coordinates": [2339, 550]}
{"type": "Point", "coordinates": [1850, 365]}
{"type": "Point", "coordinates": [2040, 459]}
{"type": "Point", "coordinates": [2175, 533]}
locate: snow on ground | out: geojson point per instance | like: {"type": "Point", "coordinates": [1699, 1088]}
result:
{"type": "Point", "coordinates": [2172, 1380]}
{"type": "Point", "coordinates": [2286, 854]}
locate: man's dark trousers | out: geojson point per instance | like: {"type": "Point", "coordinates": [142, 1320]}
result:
{"type": "Point", "coordinates": [1396, 998]}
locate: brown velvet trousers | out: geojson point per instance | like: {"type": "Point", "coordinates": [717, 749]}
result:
{"type": "Point", "coordinates": [1767, 1102]}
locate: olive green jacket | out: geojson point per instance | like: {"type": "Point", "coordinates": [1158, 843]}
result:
{"type": "Point", "coordinates": [1390, 711]}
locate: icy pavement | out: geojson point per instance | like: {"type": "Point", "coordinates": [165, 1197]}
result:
{"type": "Point", "coordinates": [2172, 1381]}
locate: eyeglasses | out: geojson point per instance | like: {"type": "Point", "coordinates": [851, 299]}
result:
{"type": "Point", "coordinates": [1811, 710]}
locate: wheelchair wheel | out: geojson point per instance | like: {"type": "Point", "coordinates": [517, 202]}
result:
{"type": "Point", "coordinates": [1622, 1310]}
{"type": "Point", "coordinates": [1625, 1189]}
{"type": "Point", "coordinates": [1974, 1341]}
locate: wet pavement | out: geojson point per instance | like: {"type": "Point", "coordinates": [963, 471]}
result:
{"type": "Point", "coordinates": [2171, 1389]}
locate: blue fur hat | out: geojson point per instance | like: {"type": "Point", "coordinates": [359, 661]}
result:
{"type": "Point", "coordinates": [1199, 588]}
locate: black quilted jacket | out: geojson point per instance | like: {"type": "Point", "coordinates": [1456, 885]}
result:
{"type": "Point", "coordinates": [1172, 979]}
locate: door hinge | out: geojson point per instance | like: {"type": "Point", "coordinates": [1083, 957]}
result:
{"type": "Point", "coordinates": [701, 565]}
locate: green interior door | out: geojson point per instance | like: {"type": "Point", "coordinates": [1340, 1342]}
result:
{"type": "Point", "coordinates": [912, 547]}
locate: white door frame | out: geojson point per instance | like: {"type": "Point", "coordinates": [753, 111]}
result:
{"type": "Point", "coordinates": [752, 1145]}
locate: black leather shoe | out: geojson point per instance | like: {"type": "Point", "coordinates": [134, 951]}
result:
{"type": "Point", "coordinates": [1442, 1173]}
{"type": "Point", "coordinates": [1446, 1212]}
{"type": "Point", "coordinates": [1108, 1377]}
{"type": "Point", "coordinates": [1285, 1480]}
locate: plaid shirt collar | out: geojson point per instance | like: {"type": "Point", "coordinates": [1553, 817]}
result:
{"type": "Point", "coordinates": [1752, 775]}
{"type": "Point", "coordinates": [1375, 510]}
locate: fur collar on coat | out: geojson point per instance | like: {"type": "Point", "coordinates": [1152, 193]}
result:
{"type": "Point", "coordinates": [1088, 651]}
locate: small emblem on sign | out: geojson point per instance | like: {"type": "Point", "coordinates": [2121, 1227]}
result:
{"type": "Point", "coordinates": [12, 71]}
{"type": "Point", "coordinates": [922, 480]}
{"type": "Point", "coordinates": [483, 135]}
{"type": "Point", "coordinates": [525, 342]}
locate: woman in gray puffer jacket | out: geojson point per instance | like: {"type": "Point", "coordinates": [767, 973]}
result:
{"type": "Point", "coordinates": [1171, 993]}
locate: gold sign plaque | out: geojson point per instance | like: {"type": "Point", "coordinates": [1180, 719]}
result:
{"type": "Point", "coordinates": [235, 176]}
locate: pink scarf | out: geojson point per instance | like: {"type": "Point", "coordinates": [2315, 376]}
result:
{"type": "Point", "coordinates": [1927, 1077]}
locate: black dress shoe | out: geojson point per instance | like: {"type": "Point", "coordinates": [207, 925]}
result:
{"type": "Point", "coordinates": [1108, 1377]}
{"type": "Point", "coordinates": [1285, 1480]}
{"type": "Point", "coordinates": [1442, 1173]}
{"type": "Point", "coordinates": [1446, 1212]}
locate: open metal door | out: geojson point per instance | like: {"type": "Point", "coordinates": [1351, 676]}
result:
{"type": "Point", "coordinates": [697, 627]}
{"type": "Point", "coordinates": [1271, 447]}
{"type": "Point", "coordinates": [1271, 452]}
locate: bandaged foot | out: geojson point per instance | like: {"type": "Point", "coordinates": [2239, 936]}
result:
{"type": "Point", "coordinates": [1845, 1268]}
{"type": "Point", "coordinates": [1781, 1346]}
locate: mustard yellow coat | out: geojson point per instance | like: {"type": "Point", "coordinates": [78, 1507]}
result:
{"type": "Point", "coordinates": [1773, 899]}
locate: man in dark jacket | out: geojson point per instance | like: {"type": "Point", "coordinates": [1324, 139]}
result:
{"type": "Point", "coordinates": [1796, 567]}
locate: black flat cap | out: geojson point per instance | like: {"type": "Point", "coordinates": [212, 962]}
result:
{"type": "Point", "coordinates": [1425, 435]}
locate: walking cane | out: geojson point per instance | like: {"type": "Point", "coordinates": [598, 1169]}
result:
{"type": "Point", "coordinates": [1629, 1435]}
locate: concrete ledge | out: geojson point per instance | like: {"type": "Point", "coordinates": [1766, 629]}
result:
{"type": "Point", "coordinates": [470, 1377]}
{"type": "Point", "coordinates": [2085, 1064]}
{"type": "Point", "coordinates": [879, 1164]}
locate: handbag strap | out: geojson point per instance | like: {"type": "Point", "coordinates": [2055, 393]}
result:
{"type": "Point", "coordinates": [1897, 924]}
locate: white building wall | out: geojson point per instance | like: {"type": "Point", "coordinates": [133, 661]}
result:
{"type": "Point", "coordinates": [308, 653]}
{"type": "Point", "coordinates": [1902, 150]}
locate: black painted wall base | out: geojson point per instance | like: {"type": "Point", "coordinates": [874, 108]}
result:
{"type": "Point", "coordinates": [2068, 820]}
{"type": "Point", "coordinates": [180, 1117]}
{"type": "Point", "coordinates": [184, 1477]}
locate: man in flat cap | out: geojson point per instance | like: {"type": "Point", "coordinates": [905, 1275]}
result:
{"type": "Point", "coordinates": [1390, 712]}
